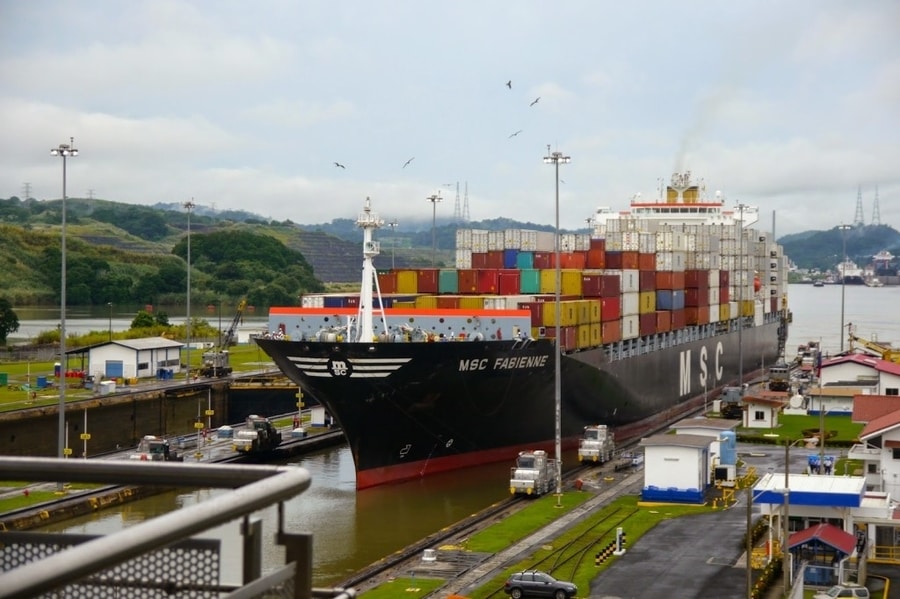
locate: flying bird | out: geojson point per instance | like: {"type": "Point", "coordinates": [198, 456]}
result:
{"type": "Point", "coordinates": [405, 164]}
{"type": "Point", "coordinates": [339, 164]}
{"type": "Point", "coordinates": [536, 100]}
{"type": "Point", "coordinates": [509, 84]}
{"type": "Point", "coordinates": [514, 134]}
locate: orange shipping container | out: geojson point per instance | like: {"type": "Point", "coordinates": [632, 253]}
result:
{"type": "Point", "coordinates": [611, 331]}
{"type": "Point", "coordinates": [468, 280]}
{"type": "Point", "coordinates": [630, 261]}
{"type": "Point", "coordinates": [669, 280]}
{"type": "Point", "coordinates": [596, 257]}
{"type": "Point", "coordinates": [647, 261]}
{"type": "Point", "coordinates": [663, 321]}
{"type": "Point", "coordinates": [387, 282]}
{"type": "Point", "coordinates": [427, 280]}
{"type": "Point", "coordinates": [696, 315]}
{"type": "Point", "coordinates": [448, 302]}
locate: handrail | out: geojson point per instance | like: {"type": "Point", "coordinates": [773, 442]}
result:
{"type": "Point", "coordinates": [257, 487]}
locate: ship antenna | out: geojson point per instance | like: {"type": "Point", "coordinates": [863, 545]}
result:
{"type": "Point", "coordinates": [368, 221]}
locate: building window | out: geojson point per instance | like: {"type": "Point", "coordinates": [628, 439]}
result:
{"type": "Point", "coordinates": [759, 415]}
{"type": "Point", "coordinates": [143, 365]}
{"type": "Point", "coordinates": [872, 468]}
{"type": "Point", "coordinates": [892, 391]}
{"type": "Point", "coordinates": [896, 453]}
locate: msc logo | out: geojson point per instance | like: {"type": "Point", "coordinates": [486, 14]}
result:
{"type": "Point", "coordinates": [339, 368]}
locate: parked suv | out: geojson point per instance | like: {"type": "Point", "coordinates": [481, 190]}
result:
{"type": "Point", "coordinates": [844, 590]}
{"type": "Point", "coordinates": [534, 583]}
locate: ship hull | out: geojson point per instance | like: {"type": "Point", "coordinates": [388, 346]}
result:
{"type": "Point", "coordinates": [413, 409]}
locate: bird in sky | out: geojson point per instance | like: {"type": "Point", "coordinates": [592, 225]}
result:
{"type": "Point", "coordinates": [339, 165]}
{"type": "Point", "coordinates": [406, 164]}
{"type": "Point", "coordinates": [536, 100]}
{"type": "Point", "coordinates": [509, 84]}
{"type": "Point", "coordinates": [514, 134]}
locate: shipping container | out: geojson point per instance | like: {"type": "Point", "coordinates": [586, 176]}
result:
{"type": "Point", "coordinates": [573, 260]}
{"type": "Point", "coordinates": [530, 280]}
{"type": "Point", "coordinates": [678, 321]}
{"type": "Point", "coordinates": [666, 279]}
{"type": "Point", "coordinates": [670, 299]}
{"type": "Point", "coordinates": [525, 260]}
{"type": "Point", "coordinates": [647, 324]}
{"type": "Point", "coordinates": [427, 280]}
{"type": "Point", "coordinates": [387, 282]}
{"type": "Point", "coordinates": [448, 302]}
{"type": "Point", "coordinates": [631, 302]}
{"type": "Point", "coordinates": [611, 331]}
{"type": "Point", "coordinates": [663, 321]}
{"type": "Point", "coordinates": [647, 261]}
{"type": "Point", "coordinates": [468, 281]}
{"type": "Point", "coordinates": [610, 309]}
{"type": "Point", "coordinates": [630, 260]}
{"type": "Point", "coordinates": [646, 280]}
{"type": "Point", "coordinates": [407, 281]}
{"type": "Point", "coordinates": [568, 337]}
{"type": "Point", "coordinates": [696, 315]}
{"type": "Point", "coordinates": [510, 258]}
{"type": "Point", "coordinates": [610, 285]}
{"type": "Point", "coordinates": [631, 327]}
{"type": "Point", "coordinates": [544, 260]}
{"type": "Point", "coordinates": [696, 297]}
{"type": "Point", "coordinates": [596, 258]}
{"type": "Point", "coordinates": [509, 282]}
{"type": "Point", "coordinates": [426, 302]}
{"type": "Point", "coordinates": [448, 280]}
{"type": "Point", "coordinates": [647, 302]}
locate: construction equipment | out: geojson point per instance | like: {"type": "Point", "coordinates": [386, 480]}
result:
{"type": "Point", "coordinates": [779, 376]}
{"type": "Point", "coordinates": [533, 474]}
{"type": "Point", "coordinates": [883, 350]}
{"type": "Point", "coordinates": [155, 449]}
{"type": "Point", "coordinates": [216, 361]}
{"type": "Point", "coordinates": [596, 445]}
{"type": "Point", "coordinates": [258, 435]}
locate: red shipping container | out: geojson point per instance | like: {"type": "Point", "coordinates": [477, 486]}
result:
{"type": "Point", "coordinates": [387, 282]}
{"type": "Point", "coordinates": [569, 336]}
{"type": "Point", "coordinates": [669, 279]}
{"type": "Point", "coordinates": [448, 302]}
{"type": "Point", "coordinates": [677, 319]}
{"type": "Point", "coordinates": [598, 243]}
{"type": "Point", "coordinates": [479, 260]}
{"type": "Point", "coordinates": [509, 282]}
{"type": "Point", "coordinates": [591, 285]}
{"type": "Point", "coordinates": [698, 279]}
{"type": "Point", "coordinates": [596, 257]}
{"type": "Point", "coordinates": [427, 280]}
{"type": "Point", "coordinates": [724, 295]}
{"type": "Point", "coordinates": [696, 297]}
{"type": "Point", "coordinates": [611, 309]}
{"type": "Point", "coordinates": [663, 321]}
{"type": "Point", "coordinates": [544, 260]}
{"type": "Point", "coordinates": [614, 260]}
{"type": "Point", "coordinates": [698, 315]}
{"type": "Point", "coordinates": [647, 324]}
{"type": "Point", "coordinates": [773, 307]}
{"type": "Point", "coordinates": [610, 286]}
{"type": "Point", "coordinates": [647, 261]}
{"type": "Point", "coordinates": [494, 259]}
{"type": "Point", "coordinates": [724, 278]}
{"type": "Point", "coordinates": [630, 260]}
{"type": "Point", "coordinates": [488, 281]}
{"type": "Point", "coordinates": [611, 331]}
{"type": "Point", "coordinates": [575, 260]}
{"type": "Point", "coordinates": [468, 280]}
{"type": "Point", "coordinates": [537, 312]}
{"type": "Point", "coordinates": [646, 280]}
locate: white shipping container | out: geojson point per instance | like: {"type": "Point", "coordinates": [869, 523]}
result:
{"type": "Point", "coordinates": [664, 261]}
{"type": "Point", "coordinates": [495, 240]}
{"type": "Point", "coordinates": [713, 308]}
{"type": "Point", "coordinates": [567, 242]}
{"type": "Point", "coordinates": [529, 240]}
{"type": "Point", "coordinates": [713, 277]}
{"type": "Point", "coordinates": [582, 242]}
{"type": "Point", "coordinates": [545, 241]}
{"type": "Point", "coordinates": [647, 243]}
{"type": "Point", "coordinates": [758, 315]}
{"type": "Point", "coordinates": [679, 259]}
{"type": "Point", "coordinates": [713, 296]}
{"type": "Point", "coordinates": [631, 303]}
{"type": "Point", "coordinates": [463, 258]}
{"type": "Point", "coordinates": [631, 241]}
{"type": "Point", "coordinates": [733, 309]}
{"type": "Point", "coordinates": [505, 302]}
{"type": "Point", "coordinates": [630, 280]}
{"type": "Point", "coordinates": [631, 327]}
{"type": "Point", "coordinates": [312, 301]}
{"type": "Point", "coordinates": [512, 239]}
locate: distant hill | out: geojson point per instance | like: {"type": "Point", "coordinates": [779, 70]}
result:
{"type": "Point", "coordinates": [823, 249]}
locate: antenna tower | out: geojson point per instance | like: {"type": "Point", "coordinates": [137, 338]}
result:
{"type": "Point", "coordinates": [90, 194]}
{"type": "Point", "coordinates": [26, 188]}
{"type": "Point", "coordinates": [466, 204]}
{"type": "Point", "coordinates": [876, 211]}
{"type": "Point", "coordinates": [457, 214]}
{"type": "Point", "coordinates": [858, 217]}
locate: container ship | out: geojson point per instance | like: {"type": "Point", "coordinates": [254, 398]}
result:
{"type": "Point", "coordinates": [534, 335]}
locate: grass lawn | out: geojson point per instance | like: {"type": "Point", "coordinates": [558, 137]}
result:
{"type": "Point", "coordinates": [839, 430]}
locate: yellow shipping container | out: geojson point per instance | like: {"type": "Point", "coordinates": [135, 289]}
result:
{"type": "Point", "coordinates": [724, 312]}
{"type": "Point", "coordinates": [748, 308]}
{"type": "Point", "coordinates": [584, 312]}
{"type": "Point", "coordinates": [407, 281]}
{"type": "Point", "coordinates": [568, 314]}
{"type": "Point", "coordinates": [593, 310]}
{"type": "Point", "coordinates": [569, 281]}
{"type": "Point", "coordinates": [647, 302]}
{"type": "Point", "coordinates": [596, 334]}
{"type": "Point", "coordinates": [472, 302]}
{"type": "Point", "coordinates": [405, 304]}
{"type": "Point", "coordinates": [584, 336]}
{"type": "Point", "coordinates": [426, 302]}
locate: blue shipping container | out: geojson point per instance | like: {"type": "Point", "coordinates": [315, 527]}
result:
{"type": "Point", "coordinates": [669, 299]}
{"type": "Point", "coordinates": [524, 260]}
{"type": "Point", "coordinates": [510, 258]}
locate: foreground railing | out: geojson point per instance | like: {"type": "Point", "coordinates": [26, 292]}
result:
{"type": "Point", "coordinates": [157, 557]}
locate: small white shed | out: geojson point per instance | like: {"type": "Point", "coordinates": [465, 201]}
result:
{"type": "Point", "coordinates": [676, 468]}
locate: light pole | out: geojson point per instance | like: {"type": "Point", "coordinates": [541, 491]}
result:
{"type": "Point", "coordinates": [785, 554]}
{"type": "Point", "coordinates": [109, 305]}
{"type": "Point", "coordinates": [434, 199]}
{"type": "Point", "coordinates": [393, 225]}
{"type": "Point", "coordinates": [64, 150]}
{"type": "Point", "coordinates": [843, 229]}
{"type": "Point", "coordinates": [741, 271]}
{"type": "Point", "coordinates": [189, 205]}
{"type": "Point", "coordinates": [555, 158]}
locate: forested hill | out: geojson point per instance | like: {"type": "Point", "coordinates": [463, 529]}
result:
{"type": "Point", "coordinates": [822, 250]}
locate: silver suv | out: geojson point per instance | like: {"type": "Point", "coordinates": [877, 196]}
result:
{"type": "Point", "coordinates": [844, 590]}
{"type": "Point", "coordinates": [534, 583]}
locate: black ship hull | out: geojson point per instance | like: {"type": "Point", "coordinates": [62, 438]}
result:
{"type": "Point", "coordinates": [413, 409]}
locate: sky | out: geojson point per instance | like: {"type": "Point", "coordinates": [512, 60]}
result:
{"type": "Point", "coordinates": [793, 107]}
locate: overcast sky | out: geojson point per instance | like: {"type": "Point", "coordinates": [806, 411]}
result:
{"type": "Point", "coordinates": [790, 106]}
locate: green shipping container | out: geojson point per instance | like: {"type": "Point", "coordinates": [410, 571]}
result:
{"type": "Point", "coordinates": [530, 281]}
{"type": "Point", "coordinates": [4, 379]}
{"type": "Point", "coordinates": [448, 281]}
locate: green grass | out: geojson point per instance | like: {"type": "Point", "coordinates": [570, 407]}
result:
{"type": "Point", "coordinates": [839, 430]}
{"type": "Point", "coordinates": [35, 496]}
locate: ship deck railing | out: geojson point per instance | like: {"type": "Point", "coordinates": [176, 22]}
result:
{"type": "Point", "coordinates": [158, 557]}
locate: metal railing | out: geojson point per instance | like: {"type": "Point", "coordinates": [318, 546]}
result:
{"type": "Point", "coordinates": [154, 557]}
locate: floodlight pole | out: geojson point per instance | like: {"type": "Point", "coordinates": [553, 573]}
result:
{"type": "Point", "coordinates": [189, 205]}
{"type": "Point", "coordinates": [434, 199]}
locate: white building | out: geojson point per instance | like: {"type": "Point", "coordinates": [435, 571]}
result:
{"type": "Point", "coordinates": [762, 412]}
{"type": "Point", "coordinates": [677, 468]}
{"type": "Point", "coordinates": [868, 373]}
{"type": "Point", "coordinates": [132, 358]}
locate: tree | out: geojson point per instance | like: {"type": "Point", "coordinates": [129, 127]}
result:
{"type": "Point", "coordinates": [9, 320]}
{"type": "Point", "coordinates": [142, 320]}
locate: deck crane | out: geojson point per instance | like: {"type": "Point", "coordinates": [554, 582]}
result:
{"type": "Point", "coordinates": [216, 361]}
{"type": "Point", "coordinates": [883, 350]}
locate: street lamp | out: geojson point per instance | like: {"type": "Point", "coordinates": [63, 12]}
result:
{"type": "Point", "coordinates": [555, 158]}
{"type": "Point", "coordinates": [434, 199]}
{"type": "Point", "coordinates": [785, 554]}
{"type": "Point", "coordinates": [64, 150]}
{"type": "Point", "coordinates": [742, 270]}
{"type": "Point", "coordinates": [189, 205]}
{"type": "Point", "coordinates": [393, 225]}
{"type": "Point", "coordinates": [109, 305]}
{"type": "Point", "coordinates": [843, 229]}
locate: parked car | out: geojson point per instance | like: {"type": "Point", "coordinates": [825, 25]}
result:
{"type": "Point", "coordinates": [844, 590]}
{"type": "Point", "coordinates": [534, 583]}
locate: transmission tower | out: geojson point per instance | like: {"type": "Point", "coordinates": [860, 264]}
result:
{"type": "Point", "coordinates": [858, 217]}
{"type": "Point", "coordinates": [457, 211]}
{"type": "Point", "coordinates": [90, 194]}
{"type": "Point", "coordinates": [876, 211]}
{"type": "Point", "coordinates": [26, 188]}
{"type": "Point", "coordinates": [466, 204]}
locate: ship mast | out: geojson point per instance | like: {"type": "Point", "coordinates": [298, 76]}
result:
{"type": "Point", "coordinates": [368, 221]}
